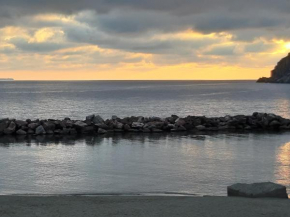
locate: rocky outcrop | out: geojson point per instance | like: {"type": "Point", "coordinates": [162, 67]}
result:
{"type": "Point", "coordinates": [280, 74]}
{"type": "Point", "coordinates": [257, 190]}
{"type": "Point", "coordinates": [95, 124]}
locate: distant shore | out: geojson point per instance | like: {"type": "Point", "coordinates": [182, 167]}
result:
{"type": "Point", "coordinates": [76, 206]}
{"type": "Point", "coordinates": [95, 125]}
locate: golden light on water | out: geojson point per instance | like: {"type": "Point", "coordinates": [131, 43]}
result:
{"type": "Point", "coordinates": [283, 164]}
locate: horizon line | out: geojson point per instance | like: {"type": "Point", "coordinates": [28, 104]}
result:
{"type": "Point", "coordinates": [136, 80]}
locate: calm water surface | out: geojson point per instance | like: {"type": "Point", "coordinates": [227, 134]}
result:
{"type": "Point", "coordinates": [142, 163]}
{"type": "Point", "coordinates": [147, 98]}
{"type": "Point", "coordinates": [148, 163]}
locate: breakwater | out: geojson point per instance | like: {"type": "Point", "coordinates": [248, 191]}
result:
{"type": "Point", "coordinates": [95, 124]}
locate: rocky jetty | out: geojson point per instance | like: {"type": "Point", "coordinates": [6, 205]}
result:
{"type": "Point", "coordinates": [280, 74]}
{"type": "Point", "coordinates": [258, 190]}
{"type": "Point", "coordinates": [95, 124]}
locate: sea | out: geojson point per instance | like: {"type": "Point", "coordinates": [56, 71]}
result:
{"type": "Point", "coordinates": [134, 164]}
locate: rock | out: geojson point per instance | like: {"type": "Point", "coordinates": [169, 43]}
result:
{"type": "Point", "coordinates": [178, 129]}
{"type": "Point", "coordinates": [256, 190]}
{"type": "Point", "coordinates": [73, 131]}
{"type": "Point", "coordinates": [134, 130]}
{"type": "Point", "coordinates": [102, 131]}
{"type": "Point", "coordinates": [114, 118]}
{"type": "Point", "coordinates": [65, 131]}
{"type": "Point", "coordinates": [3, 125]}
{"type": "Point", "coordinates": [141, 119]}
{"type": "Point", "coordinates": [80, 125]}
{"type": "Point", "coordinates": [104, 126]}
{"type": "Point", "coordinates": [20, 123]}
{"type": "Point", "coordinates": [200, 127]}
{"type": "Point", "coordinates": [90, 118]}
{"type": "Point", "coordinates": [137, 125]}
{"type": "Point", "coordinates": [172, 119]}
{"type": "Point", "coordinates": [146, 130]}
{"type": "Point", "coordinates": [275, 124]}
{"type": "Point", "coordinates": [153, 118]}
{"type": "Point", "coordinates": [58, 131]}
{"type": "Point", "coordinates": [30, 131]}
{"type": "Point", "coordinates": [49, 132]}
{"type": "Point", "coordinates": [88, 130]}
{"type": "Point", "coordinates": [98, 119]}
{"type": "Point", "coordinates": [33, 126]}
{"type": "Point", "coordinates": [179, 122]}
{"type": "Point", "coordinates": [154, 130]}
{"type": "Point", "coordinates": [40, 130]}
{"type": "Point", "coordinates": [118, 125]}
{"type": "Point", "coordinates": [127, 127]}
{"type": "Point", "coordinates": [21, 132]}
{"type": "Point", "coordinates": [10, 129]}
{"type": "Point", "coordinates": [248, 127]}
{"type": "Point", "coordinates": [48, 126]}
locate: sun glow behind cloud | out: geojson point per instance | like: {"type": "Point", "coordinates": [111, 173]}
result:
{"type": "Point", "coordinates": [114, 45]}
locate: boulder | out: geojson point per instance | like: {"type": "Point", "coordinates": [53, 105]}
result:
{"type": "Point", "coordinates": [146, 130]}
{"type": "Point", "coordinates": [3, 125]}
{"type": "Point", "coordinates": [33, 126]}
{"type": "Point", "coordinates": [48, 126]}
{"type": "Point", "coordinates": [118, 125]}
{"type": "Point", "coordinates": [80, 125]}
{"type": "Point", "coordinates": [275, 124]}
{"type": "Point", "coordinates": [114, 118]}
{"type": "Point", "coordinates": [30, 131]}
{"type": "Point", "coordinates": [127, 127]}
{"type": "Point", "coordinates": [20, 123]}
{"type": "Point", "coordinates": [102, 131]}
{"type": "Point", "coordinates": [155, 130]}
{"type": "Point", "coordinates": [73, 131]}
{"type": "Point", "coordinates": [21, 132]}
{"type": "Point", "coordinates": [179, 122]}
{"type": "Point", "coordinates": [200, 127]}
{"type": "Point", "coordinates": [90, 118]}
{"type": "Point", "coordinates": [141, 119]}
{"type": "Point", "coordinates": [103, 126]}
{"type": "Point", "coordinates": [137, 125]}
{"type": "Point", "coordinates": [257, 190]}
{"type": "Point", "coordinates": [10, 129]}
{"type": "Point", "coordinates": [98, 119]}
{"type": "Point", "coordinates": [40, 130]}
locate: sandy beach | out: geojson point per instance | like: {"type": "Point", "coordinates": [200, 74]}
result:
{"type": "Point", "coordinates": [77, 206]}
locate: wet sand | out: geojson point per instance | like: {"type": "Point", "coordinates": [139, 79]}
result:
{"type": "Point", "coordinates": [103, 206]}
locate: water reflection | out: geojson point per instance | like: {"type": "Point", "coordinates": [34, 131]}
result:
{"type": "Point", "coordinates": [283, 164]}
{"type": "Point", "coordinates": [142, 162]}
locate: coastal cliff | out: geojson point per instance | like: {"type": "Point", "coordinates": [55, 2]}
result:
{"type": "Point", "coordinates": [280, 74]}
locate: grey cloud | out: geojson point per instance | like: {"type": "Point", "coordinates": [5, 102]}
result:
{"type": "Point", "coordinates": [7, 50]}
{"type": "Point", "coordinates": [211, 15]}
{"type": "Point", "coordinates": [258, 47]}
{"type": "Point", "coordinates": [88, 35]}
{"type": "Point", "coordinates": [222, 51]}
{"type": "Point", "coordinates": [23, 45]}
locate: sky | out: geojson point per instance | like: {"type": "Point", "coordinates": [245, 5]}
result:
{"type": "Point", "coordinates": [142, 39]}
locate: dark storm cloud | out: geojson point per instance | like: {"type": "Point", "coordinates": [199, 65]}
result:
{"type": "Point", "coordinates": [209, 15]}
{"type": "Point", "coordinates": [173, 6]}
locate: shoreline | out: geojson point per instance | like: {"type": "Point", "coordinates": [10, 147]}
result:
{"type": "Point", "coordinates": [96, 125]}
{"type": "Point", "coordinates": [168, 206]}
